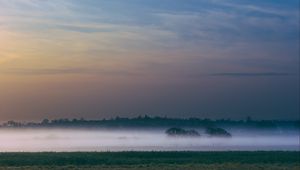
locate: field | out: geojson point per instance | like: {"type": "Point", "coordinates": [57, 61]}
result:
{"type": "Point", "coordinates": [152, 160]}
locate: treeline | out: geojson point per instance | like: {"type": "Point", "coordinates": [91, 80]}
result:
{"type": "Point", "coordinates": [152, 122]}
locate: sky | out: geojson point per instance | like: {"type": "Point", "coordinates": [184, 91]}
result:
{"type": "Point", "coordinates": [177, 58]}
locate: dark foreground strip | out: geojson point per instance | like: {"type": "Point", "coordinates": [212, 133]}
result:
{"type": "Point", "coordinates": [146, 158]}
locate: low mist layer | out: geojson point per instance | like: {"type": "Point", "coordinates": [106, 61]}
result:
{"type": "Point", "coordinates": [37, 140]}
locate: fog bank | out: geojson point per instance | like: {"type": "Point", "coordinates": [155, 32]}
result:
{"type": "Point", "coordinates": [68, 140]}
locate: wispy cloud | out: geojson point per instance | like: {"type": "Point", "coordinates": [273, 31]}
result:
{"type": "Point", "coordinates": [72, 35]}
{"type": "Point", "coordinates": [251, 74]}
{"type": "Point", "coordinates": [66, 71]}
{"type": "Point", "coordinates": [254, 7]}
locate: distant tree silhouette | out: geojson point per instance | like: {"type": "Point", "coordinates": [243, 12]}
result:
{"type": "Point", "coordinates": [152, 122]}
{"type": "Point", "coordinates": [45, 122]}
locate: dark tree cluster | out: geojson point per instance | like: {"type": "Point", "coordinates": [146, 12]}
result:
{"type": "Point", "coordinates": [217, 132]}
{"type": "Point", "coordinates": [182, 132]}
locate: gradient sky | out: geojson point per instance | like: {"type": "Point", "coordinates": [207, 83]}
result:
{"type": "Point", "coordinates": [177, 58]}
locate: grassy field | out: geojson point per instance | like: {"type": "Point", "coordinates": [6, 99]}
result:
{"type": "Point", "coordinates": [152, 160]}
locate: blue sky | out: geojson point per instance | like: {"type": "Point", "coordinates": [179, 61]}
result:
{"type": "Point", "coordinates": [208, 58]}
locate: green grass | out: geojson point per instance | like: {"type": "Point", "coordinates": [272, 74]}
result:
{"type": "Point", "coordinates": [165, 167]}
{"type": "Point", "coordinates": [151, 160]}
